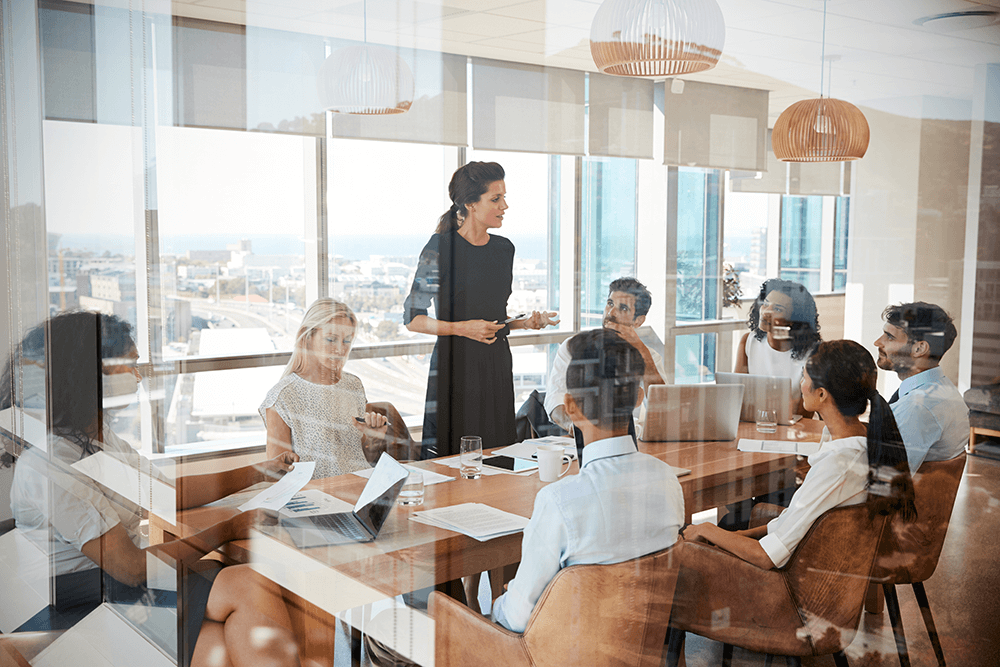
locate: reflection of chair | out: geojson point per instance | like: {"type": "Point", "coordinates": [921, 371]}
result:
{"type": "Point", "coordinates": [531, 420]}
{"type": "Point", "coordinates": [399, 444]}
{"type": "Point", "coordinates": [984, 413]}
{"type": "Point", "coordinates": [909, 553]}
{"type": "Point", "coordinates": [809, 607]}
{"type": "Point", "coordinates": [589, 614]}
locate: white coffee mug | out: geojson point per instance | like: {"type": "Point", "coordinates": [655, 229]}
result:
{"type": "Point", "coordinates": [550, 459]}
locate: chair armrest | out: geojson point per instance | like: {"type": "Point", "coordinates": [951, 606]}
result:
{"type": "Point", "coordinates": [463, 637]}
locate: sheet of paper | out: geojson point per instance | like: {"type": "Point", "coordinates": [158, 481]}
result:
{"type": "Point", "coordinates": [680, 472]}
{"type": "Point", "coordinates": [275, 496]}
{"type": "Point", "coordinates": [778, 446]}
{"type": "Point", "coordinates": [430, 477]}
{"type": "Point", "coordinates": [313, 502]}
{"type": "Point", "coordinates": [476, 520]}
{"type": "Point", "coordinates": [524, 450]}
{"type": "Point", "coordinates": [385, 473]}
{"type": "Point", "coordinates": [454, 463]}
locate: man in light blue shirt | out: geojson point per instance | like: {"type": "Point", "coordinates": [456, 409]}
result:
{"type": "Point", "coordinates": [622, 504]}
{"type": "Point", "coordinates": [930, 412]}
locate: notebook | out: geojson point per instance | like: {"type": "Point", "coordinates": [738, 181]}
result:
{"type": "Point", "coordinates": [360, 525]}
{"type": "Point", "coordinates": [688, 412]}
{"type": "Point", "coordinates": [763, 391]}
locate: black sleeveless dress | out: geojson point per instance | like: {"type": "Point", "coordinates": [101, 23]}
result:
{"type": "Point", "coordinates": [470, 388]}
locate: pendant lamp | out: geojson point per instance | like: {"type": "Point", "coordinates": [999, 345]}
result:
{"type": "Point", "coordinates": [820, 130]}
{"type": "Point", "coordinates": [657, 37]}
{"type": "Point", "coordinates": [365, 79]}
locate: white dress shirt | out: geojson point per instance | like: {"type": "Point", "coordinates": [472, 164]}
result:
{"type": "Point", "coordinates": [60, 509]}
{"type": "Point", "coordinates": [555, 386]}
{"type": "Point", "coordinates": [932, 418]}
{"type": "Point", "coordinates": [838, 476]}
{"type": "Point", "coordinates": [622, 505]}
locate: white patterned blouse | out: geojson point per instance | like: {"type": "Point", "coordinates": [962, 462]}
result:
{"type": "Point", "coordinates": [320, 417]}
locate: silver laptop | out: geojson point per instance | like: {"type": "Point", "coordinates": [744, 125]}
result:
{"type": "Point", "coordinates": [689, 412]}
{"type": "Point", "coordinates": [763, 391]}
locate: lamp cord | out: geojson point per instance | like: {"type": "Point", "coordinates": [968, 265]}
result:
{"type": "Point", "coordinates": [822, 57]}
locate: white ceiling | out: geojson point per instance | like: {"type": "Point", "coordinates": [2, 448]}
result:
{"type": "Point", "coordinates": [879, 57]}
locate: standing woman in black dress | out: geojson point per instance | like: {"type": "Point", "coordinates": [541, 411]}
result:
{"type": "Point", "coordinates": [467, 273]}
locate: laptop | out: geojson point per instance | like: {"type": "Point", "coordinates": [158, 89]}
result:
{"type": "Point", "coordinates": [763, 391]}
{"type": "Point", "coordinates": [360, 525]}
{"type": "Point", "coordinates": [691, 412]}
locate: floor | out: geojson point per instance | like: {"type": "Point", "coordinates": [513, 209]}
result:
{"type": "Point", "coordinates": [964, 592]}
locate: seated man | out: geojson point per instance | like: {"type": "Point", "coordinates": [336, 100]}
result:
{"type": "Point", "coordinates": [622, 504]}
{"type": "Point", "coordinates": [625, 311]}
{"type": "Point", "coordinates": [932, 415]}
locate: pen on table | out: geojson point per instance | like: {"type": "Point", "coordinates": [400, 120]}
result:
{"type": "Point", "coordinates": [361, 420]}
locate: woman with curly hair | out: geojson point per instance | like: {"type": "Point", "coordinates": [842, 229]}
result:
{"type": "Point", "coordinates": [784, 327]}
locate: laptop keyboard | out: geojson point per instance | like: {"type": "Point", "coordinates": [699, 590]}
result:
{"type": "Point", "coordinates": [343, 523]}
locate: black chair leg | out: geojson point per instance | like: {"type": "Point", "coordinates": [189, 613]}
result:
{"type": "Point", "coordinates": [892, 605]}
{"type": "Point", "coordinates": [925, 611]}
{"type": "Point", "coordinates": [840, 659]}
{"type": "Point", "coordinates": [727, 655]}
{"type": "Point", "coordinates": [768, 659]}
{"type": "Point", "coordinates": [675, 646]}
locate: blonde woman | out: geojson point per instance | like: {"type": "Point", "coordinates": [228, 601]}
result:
{"type": "Point", "coordinates": [313, 410]}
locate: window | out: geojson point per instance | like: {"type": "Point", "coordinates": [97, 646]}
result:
{"type": "Point", "coordinates": [608, 234]}
{"type": "Point", "coordinates": [841, 231]}
{"type": "Point", "coordinates": [801, 225]}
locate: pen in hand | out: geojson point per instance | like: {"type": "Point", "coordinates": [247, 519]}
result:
{"type": "Point", "coordinates": [361, 420]}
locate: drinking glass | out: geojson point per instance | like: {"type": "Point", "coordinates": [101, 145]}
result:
{"type": "Point", "coordinates": [412, 492]}
{"type": "Point", "coordinates": [471, 457]}
{"type": "Point", "coordinates": [767, 421]}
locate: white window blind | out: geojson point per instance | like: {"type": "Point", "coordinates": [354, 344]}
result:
{"type": "Point", "coordinates": [621, 116]}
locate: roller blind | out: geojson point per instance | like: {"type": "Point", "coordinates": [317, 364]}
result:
{"type": "Point", "coordinates": [715, 127]}
{"type": "Point", "coordinates": [621, 116]}
{"type": "Point", "coordinates": [773, 180]}
{"type": "Point", "coordinates": [438, 114]}
{"type": "Point", "coordinates": [527, 108]}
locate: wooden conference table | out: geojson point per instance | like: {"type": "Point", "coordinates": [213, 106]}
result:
{"type": "Point", "coordinates": [408, 556]}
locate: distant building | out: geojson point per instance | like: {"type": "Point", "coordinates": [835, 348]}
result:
{"type": "Point", "coordinates": [210, 256]}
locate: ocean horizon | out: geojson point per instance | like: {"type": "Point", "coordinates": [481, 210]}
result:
{"type": "Point", "coordinates": [355, 247]}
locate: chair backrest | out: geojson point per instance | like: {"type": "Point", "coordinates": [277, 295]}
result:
{"type": "Point", "coordinates": [604, 614]}
{"type": "Point", "coordinates": [909, 552]}
{"type": "Point", "coordinates": [828, 574]}
{"type": "Point", "coordinates": [399, 444]}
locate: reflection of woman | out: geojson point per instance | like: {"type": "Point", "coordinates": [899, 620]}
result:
{"type": "Point", "coordinates": [86, 528]}
{"type": "Point", "coordinates": [785, 326]}
{"type": "Point", "coordinates": [855, 464]}
{"type": "Point", "coordinates": [467, 273]}
{"type": "Point", "coordinates": [313, 408]}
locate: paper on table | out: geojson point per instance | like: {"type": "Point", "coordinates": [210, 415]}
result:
{"type": "Point", "coordinates": [454, 462]}
{"type": "Point", "coordinates": [275, 496]}
{"type": "Point", "coordinates": [778, 446]}
{"type": "Point", "coordinates": [313, 502]}
{"type": "Point", "coordinates": [430, 477]}
{"type": "Point", "coordinates": [524, 450]}
{"type": "Point", "coordinates": [476, 520]}
{"type": "Point", "coordinates": [680, 472]}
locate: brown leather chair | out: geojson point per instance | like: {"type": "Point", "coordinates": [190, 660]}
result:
{"type": "Point", "coordinates": [809, 607]}
{"type": "Point", "coordinates": [909, 553]}
{"type": "Point", "coordinates": [588, 615]}
{"type": "Point", "coordinates": [399, 444]}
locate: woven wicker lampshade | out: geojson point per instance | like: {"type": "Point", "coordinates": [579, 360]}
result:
{"type": "Point", "coordinates": [657, 37]}
{"type": "Point", "coordinates": [820, 130]}
{"type": "Point", "coordinates": [365, 79]}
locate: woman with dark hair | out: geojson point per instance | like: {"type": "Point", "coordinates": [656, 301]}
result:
{"type": "Point", "coordinates": [91, 532]}
{"type": "Point", "coordinates": [856, 463]}
{"type": "Point", "coordinates": [785, 326]}
{"type": "Point", "coordinates": [467, 272]}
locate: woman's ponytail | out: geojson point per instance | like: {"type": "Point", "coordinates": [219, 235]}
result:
{"type": "Point", "coordinates": [890, 487]}
{"type": "Point", "coordinates": [449, 221]}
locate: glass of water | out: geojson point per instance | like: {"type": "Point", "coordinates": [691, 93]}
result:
{"type": "Point", "coordinates": [471, 457]}
{"type": "Point", "coordinates": [767, 421]}
{"type": "Point", "coordinates": [412, 492]}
